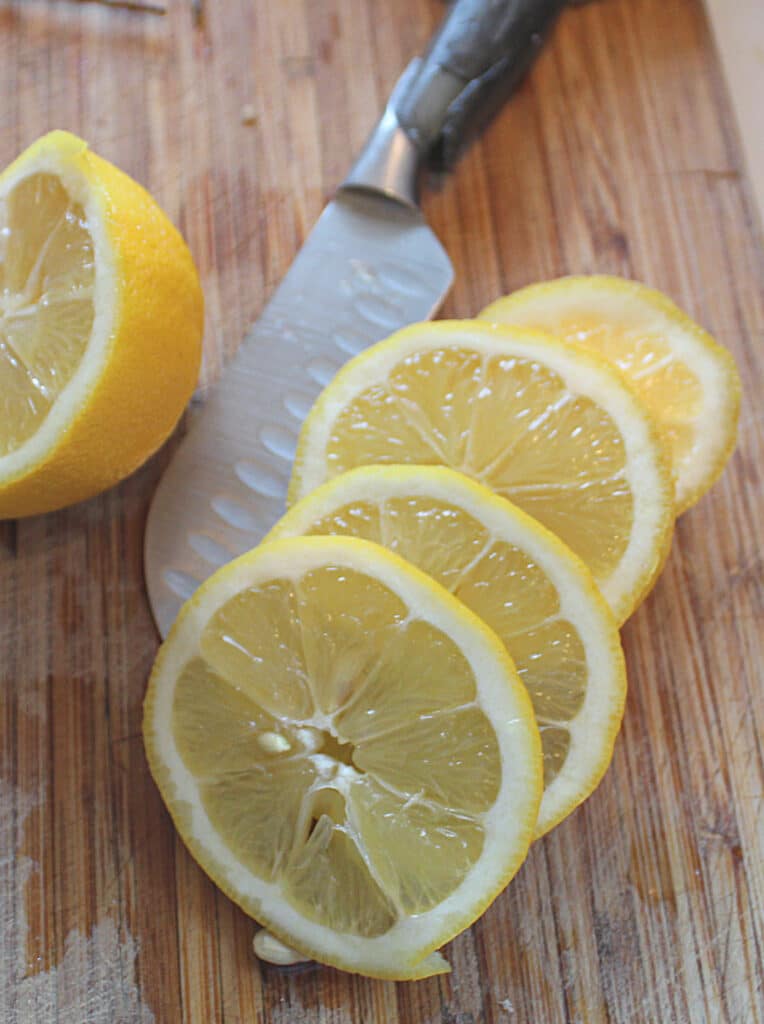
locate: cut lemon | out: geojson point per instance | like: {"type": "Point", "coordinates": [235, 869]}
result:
{"type": "Point", "coordinates": [347, 751]}
{"type": "Point", "coordinates": [688, 383]}
{"type": "Point", "coordinates": [552, 428]}
{"type": "Point", "coordinates": [536, 595]}
{"type": "Point", "coordinates": [100, 326]}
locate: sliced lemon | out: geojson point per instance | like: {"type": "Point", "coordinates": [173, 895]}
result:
{"type": "Point", "coordinates": [688, 382]}
{"type": "Point", "coordinates": [100, 326]}
{"type": "Point", "coordinates": [346, 749]}
{"type": "Point", "coordinates": [536, 595]}
{"type": "Point", "coordinates": [552, 428]}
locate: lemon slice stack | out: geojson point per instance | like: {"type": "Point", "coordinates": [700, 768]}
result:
{"type": "Point", "coordinates": [360, 726]}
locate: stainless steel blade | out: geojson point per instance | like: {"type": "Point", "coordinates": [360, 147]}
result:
{"type": "Point", "coordinates": [369, 267]}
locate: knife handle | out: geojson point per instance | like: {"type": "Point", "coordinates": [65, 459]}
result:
{"type": "Point", "coordinates": [443, 99]}
{"type": "Point", "coordinates": [480, 53]}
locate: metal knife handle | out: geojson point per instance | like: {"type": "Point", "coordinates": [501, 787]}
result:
{"type": "Point", "coordinates": [480, 53]}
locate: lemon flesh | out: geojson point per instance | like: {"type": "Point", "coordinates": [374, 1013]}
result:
{"type": "Point", "coordinates": [346, 750]}
{"type": "Point", "coordinates": [46, 302]}
{"type": "Point", "coordinates": [552, 429]}
{"type": "Point", "coordinates": [538, 598]}
{"type": "Point", "coordinates": [687, 382]}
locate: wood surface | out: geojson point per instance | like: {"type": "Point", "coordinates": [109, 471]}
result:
{"type": "Point", "coordinates": [739, 33]}
{"type": "Point", "coordinates": [619, 154]}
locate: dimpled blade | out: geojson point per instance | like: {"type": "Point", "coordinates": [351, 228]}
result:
{"type": "Point", "coordinates": [368, 268]}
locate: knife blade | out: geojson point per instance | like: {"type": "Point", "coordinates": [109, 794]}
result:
{"type": "Point", "coordinates": [369, 266]}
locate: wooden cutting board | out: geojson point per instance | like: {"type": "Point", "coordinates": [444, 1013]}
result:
{"type": "Point", "coordinates": [620, 155]}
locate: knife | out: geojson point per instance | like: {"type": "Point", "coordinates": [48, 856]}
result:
{"type": "Point", "coordinates": [369, 266]}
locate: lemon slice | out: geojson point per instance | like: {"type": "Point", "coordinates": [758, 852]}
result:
{"type": "Point", "coordinates": [536, 595]}
{"type": "Point", "coordinates": [100, 326]}
{"type": "Point", "coordinates": [688, 383]}
{"type": "Point", "coordinates": [552, 428]}
{"type": "Point", "coordinates": [346, 749]}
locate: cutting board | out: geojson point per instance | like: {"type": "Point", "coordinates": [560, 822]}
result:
{"type": "Point", "coordinates": [619, 154]}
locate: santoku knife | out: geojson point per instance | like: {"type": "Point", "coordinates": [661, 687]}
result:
{"type": "Point", "coordinates": [369, 266]}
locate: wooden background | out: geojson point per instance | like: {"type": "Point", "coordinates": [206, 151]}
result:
{"type": "Point", "coordinates": [619, 154]}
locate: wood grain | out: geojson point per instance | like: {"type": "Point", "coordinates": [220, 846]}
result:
{"type": "Point", "coordinates": [739, 33]}
{"type": "Point", "coordinates": [619, 155]}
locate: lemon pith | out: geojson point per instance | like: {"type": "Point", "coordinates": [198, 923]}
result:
{"type": "Point", "coordinates": [224, 733]}
{"type": "Point", "coordinates": [101, 318]}
{"type": "Point", "coordinates": [553, 429]}
{"type": "Point", "coordinates": [687, 381]}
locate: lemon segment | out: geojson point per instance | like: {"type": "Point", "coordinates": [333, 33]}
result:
{"type": "Point", "coordinates": [553, 429]}
{"type": "Point", "coordinates": [401, 726]}
{"type": "Point", "coordinates": [687, 382]}
{"type": "Point", "coordinates": [101, 319]}
{"type": "Point", "coordinates": [533, 592]}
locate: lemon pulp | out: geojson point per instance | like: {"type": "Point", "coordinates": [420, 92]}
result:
{"type": "Point", "coordinates": [512, 424]}
{"type": "Point", "coordinates": [529, 588]}
{"type": "Point", "coordinates": [667, 387]}
{"type": "Point", "coordinates": [553, 429]}
{"type": "Point", "coordinates": [686, 381]}
{"type": "Point", "coordinates": [453, 547]}
{"type": "Point", "coordinates": [47, 272]}
{"type": "Point", "coordinates": [337, 745]}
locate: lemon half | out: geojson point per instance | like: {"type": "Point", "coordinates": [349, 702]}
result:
{"type": "Point", "coordinates": [101, 319]}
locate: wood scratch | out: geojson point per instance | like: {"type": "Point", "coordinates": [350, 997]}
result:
{"type": "Point", "coordinates": [141, 6]}
{"type": "Point", "coordinates": [727, 941]}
